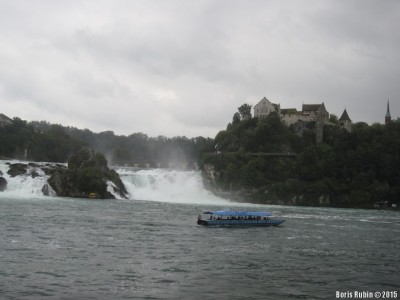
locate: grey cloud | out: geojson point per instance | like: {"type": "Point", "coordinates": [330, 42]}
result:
{"type": "Point", "coordinates": [183, 68]}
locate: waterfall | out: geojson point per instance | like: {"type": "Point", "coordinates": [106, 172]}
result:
{"type": "Point", "coordinates": [148, 184]}
{"type": "Point", "coordinates": [167, 186]}
{"type": "Point", "coordinates": [25, 185]}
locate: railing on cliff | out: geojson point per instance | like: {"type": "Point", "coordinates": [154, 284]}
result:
{"type": "Point", "coordinates": [258, 154]}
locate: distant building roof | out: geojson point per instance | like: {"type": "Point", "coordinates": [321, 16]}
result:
{"type": "Point", "coordinates": [288, 111]}
{"type": "Point", "coordinates": [311, 107]}
{"type": "Point", "coordinates": [345, 116]}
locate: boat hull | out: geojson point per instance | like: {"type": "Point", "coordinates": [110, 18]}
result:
{"type": "Point", "coordinates": [240, 223]}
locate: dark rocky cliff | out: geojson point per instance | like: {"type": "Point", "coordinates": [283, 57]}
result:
{"type": "Point", "coordinates": [87, 175]}
{"type": "Point", "coordinates": [290, 192]}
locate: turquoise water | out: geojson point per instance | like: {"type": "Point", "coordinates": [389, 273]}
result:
{"type": "Point", "coordinates": [58, 248]}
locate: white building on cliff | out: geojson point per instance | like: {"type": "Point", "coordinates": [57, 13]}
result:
{"type": "Point", "coordinates": [309, 113]}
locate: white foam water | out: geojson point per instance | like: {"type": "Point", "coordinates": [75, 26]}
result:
{"type": "Point", "coordinates": [166, 185]}
{"type": "Point", "coordinates": [162, 185]}
{"type": "Point", "coordinates": [23, 186]}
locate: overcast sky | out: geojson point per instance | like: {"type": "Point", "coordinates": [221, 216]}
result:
{"type": "Point", "coordinates": [175, 67]}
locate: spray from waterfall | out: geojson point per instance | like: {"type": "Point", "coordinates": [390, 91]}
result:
{"type": "Point", "coordinates": [162, 185]}
{"type": "Point", "coordinates": [167, 186]}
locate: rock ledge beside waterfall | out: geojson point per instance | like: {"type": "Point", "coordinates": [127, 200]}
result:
{"type": "Point", "coordinates": [87, 176]}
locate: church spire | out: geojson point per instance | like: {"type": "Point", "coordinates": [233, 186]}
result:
{"type": "Point", "coordinates": [388, 117]}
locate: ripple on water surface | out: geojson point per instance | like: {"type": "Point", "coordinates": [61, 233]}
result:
{"type": "Point", "coordinates": [64, 248]}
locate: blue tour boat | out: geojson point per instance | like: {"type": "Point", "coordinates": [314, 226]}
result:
{"type": "Point", "coordinates": [238, 218]}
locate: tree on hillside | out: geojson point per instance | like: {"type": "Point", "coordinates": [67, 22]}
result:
{"type": "Point", "coordinates": [334, 119]}
{"type": "Point", "coordinates": [245, 111]}
{"type": "Point", "coordinates": [236, 118]}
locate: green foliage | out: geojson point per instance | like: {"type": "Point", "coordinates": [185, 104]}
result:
{"type": "Point", "coordinates": [236, 119]}
{"type": "Point", "coordinates": [87, 158]}
{"type": "Point", "coordinates": [245, 111]}
{"type": "Point", "coordinates": [120, 156]}
{"type": "Point", "coordinates": [252, 173]}
{"type": "Point", "coordinates": [23, 141]}
{"type": "Point", "coordinates": [353, 169]}
{"type": "Point", "coordinates": [258, 135]}
{"type": "Point", "coordinates": [42, 141]}
{"type": "Point", "coordinates": [89, 180]}
{"type": "Point", "coordinates": [76, 161]}
{"type": "Point", "coordinates": [334, 119]}
{"type": "Point", "coordinates": [88, 173]}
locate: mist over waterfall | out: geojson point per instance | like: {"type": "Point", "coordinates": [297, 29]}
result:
{"type": "Point", "coordinates": [166, 185]}
{"type": "Point", "coordinates": [162, 185]}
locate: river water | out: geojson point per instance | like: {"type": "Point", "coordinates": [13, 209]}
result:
{"type": "Point", "coordinates": [60, 248]}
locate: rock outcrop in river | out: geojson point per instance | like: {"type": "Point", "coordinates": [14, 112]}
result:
{"type": "Point", "coordinates": [3, 183]}
{"type": "Point", "coordinates": [87, 175]}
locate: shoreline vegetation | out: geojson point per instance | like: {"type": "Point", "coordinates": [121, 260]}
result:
{"type": "Point", "coordinates": [261, 160]}
{"type": "Point", "coordinates": [257, 160]}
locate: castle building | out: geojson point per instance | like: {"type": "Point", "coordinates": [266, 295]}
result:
{"type": "Point", "coordinates": [388, 117]}
{"type": "Point", "coordinates": [263, 108]}
{"type": "Point", "coordinates": [316, 113]}
{"type": "Point", "coordinates": [344, 121]}
{"type": "Point", "coordinates": [309, 112]}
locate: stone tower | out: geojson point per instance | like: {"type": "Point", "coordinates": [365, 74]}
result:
{"type": "Point", "coordinates": [319, 128]}
{"type": "Point", "coordinates": [321, 117]}
{"type": "Point", "coordinates": [345, 121]}
{"type": "Point", "coordinates": [388, 117]}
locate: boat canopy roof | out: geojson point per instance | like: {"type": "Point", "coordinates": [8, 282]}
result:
{"type": "Point", "coordinates": [239, 213]}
